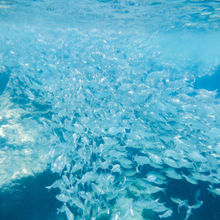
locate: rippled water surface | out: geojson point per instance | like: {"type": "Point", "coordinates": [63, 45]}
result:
{"type": "Point", "coordinates": [109, 110]}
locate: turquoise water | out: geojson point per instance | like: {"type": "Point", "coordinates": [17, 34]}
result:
{"type": "Point", "coordinates": [109, 110]}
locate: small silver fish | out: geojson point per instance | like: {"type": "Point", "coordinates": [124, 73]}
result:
{"type": "Point", "coordinates": [141, 160]}
{"type": "Point", "coordinates": [65, 209]}
{"type": "Point", "coordinates": [171, 173]}
{"type": "Point", "coordinates": [166, 214]}
{"type": "Point", "coordinates": [214, 191]}
{"type": "Point", "coordinates": [179, 202]}
{"type": "Point", "coordinates": [190, 179]}
{"type": "Point", "coordinates": [197, 205]}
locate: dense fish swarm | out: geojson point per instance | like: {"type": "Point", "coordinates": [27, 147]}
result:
{"type": "Point", "coordinates": [112, 109]}
{"type": "Point", "coordinates": [128, 122]}
{"type": "Point", "coordinates": [120, 122]}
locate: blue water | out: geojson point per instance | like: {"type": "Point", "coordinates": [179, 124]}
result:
{"type": "Point", "coordinates": [109, 100]}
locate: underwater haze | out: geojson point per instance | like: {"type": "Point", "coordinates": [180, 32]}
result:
{"type": "Point", "coordinates": [109, 110]}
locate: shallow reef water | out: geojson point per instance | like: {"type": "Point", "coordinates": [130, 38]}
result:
{"type": "Point", "coordinates": [109, 110]}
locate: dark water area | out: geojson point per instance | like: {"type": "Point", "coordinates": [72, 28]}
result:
{"type": "Point", "coordinates": [4, 77]}
{"type": "Point", "coordinates": [184, 190]}
{"type": "Point", "coordinates": [210, 82]}
{"type": "Point", "coordinates": [28, 199]}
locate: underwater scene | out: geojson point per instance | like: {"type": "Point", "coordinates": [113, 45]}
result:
{"type": "Point", "coordinates": [109, 110]}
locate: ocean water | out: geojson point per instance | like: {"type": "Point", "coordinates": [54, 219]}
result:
{"type": "Point", "coordinates": [109, 110]}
